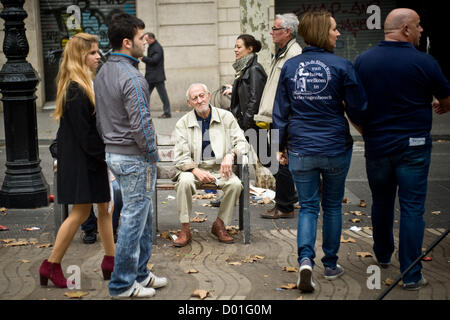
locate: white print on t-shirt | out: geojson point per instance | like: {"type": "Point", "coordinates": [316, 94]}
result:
{"type": "Point", "coordinates": [311, 78]}
{"type": "Point", "coordinates": [416, 142]}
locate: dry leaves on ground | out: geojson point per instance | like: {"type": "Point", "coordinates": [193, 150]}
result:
{"type": "Point", "coordinates": [25, 261]}
{"type": "Point", "coordinates": [349, 240]}
{"type": "Point", "coordinates": [345, 200]}
{"type": "Point", "coordinates": [388, 281]}
{"type": "Point", "coordinates": [356, 213]}
{"type": "Point", "coordinates": [235, 263]}
{"type": "Point", "coordinates": [290, 269]}
{"type": "Point", "coordinates": [356, 220]}
{"type": "Point", "coordinates": [204, 196]}
{"type": "Point", "coordinates": [76, 294]}
{"type": "Point", "coordinates": [202, 294]}
{"type": "Point", "coordinates": [436, 213]}
{"type": "Point", "coordinates": [288, 286]}
{"type": "Point", "coordinates": [251, 259]}
{"type": "Point", "coordinates": [44, 245]}
{"type": "Point", "coordinates": [232, 229]}
{"type": "Point", "coordinates": [363, 254]}
{"type": "Point", "coordinates": [362, 203]}
{"type": "Point", "coordinates": [189, 271]}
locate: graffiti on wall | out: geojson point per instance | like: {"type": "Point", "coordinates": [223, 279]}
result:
{"type": "Point", "coordinates": [359, 22]}
{"type": "Point", "coordinates": [60, 20]}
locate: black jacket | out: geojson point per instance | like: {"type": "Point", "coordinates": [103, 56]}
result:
{"type": "Point", "coordinates": [247, 92]}
{"type": "Point", "coordinates": [82, 172]}
{"type": "Point", "coordinates": [154, 69]}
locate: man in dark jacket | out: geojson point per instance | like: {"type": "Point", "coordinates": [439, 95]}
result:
{"type": "Point", "coordinates": [154, 71]}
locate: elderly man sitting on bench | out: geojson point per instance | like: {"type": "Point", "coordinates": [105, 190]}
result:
{"type": "Point", "coordinates": [207, 141]}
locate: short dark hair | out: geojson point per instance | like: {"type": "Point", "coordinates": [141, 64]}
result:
{"type": "Point", "coordinates": [123, 26]}
{"type": "Point", "coordinates": [151, 35]}
{"type": "Point", "coordinates": [250, 41]}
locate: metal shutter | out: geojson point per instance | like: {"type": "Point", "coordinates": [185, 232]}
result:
{"type": "Point", "coordinates": [351, 20]}
{"type": "Point", "coordinates": [62, 19]}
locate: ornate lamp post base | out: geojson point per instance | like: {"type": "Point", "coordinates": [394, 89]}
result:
{"type": "Point", "coordinates": [24, 185]}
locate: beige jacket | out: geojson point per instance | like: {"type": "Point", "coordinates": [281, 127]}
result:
{"type": "Point", "coordinates": [270, 89]}
{"type": "Point", "coordinates": [225, 134]}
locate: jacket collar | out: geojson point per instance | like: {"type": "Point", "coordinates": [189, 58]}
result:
{"type": "Point", "coordinates": [116, 56]}
{"type": "Point", "coordinates": [288, 46]}
{"type": "Point", "coordinates": [192, 119]}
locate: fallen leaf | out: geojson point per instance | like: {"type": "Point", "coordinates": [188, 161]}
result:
{"type": "Point", "coordinates": [3, 209]}
{"type": "Point", "coordinates": [288, 286]}
{"type": "Point", "coordinates": [251, 259]}
{"type": "Point", "coordinates": [76, 294]}
{"type": "Point", "coordinates": [345, 200]}
{"type": "Point", "coordinates": [290, 269]}
{"type": "Point", "coordinates": [388, 281]}
{"type": "Point", "coordinates": [16, 243]}
{"type": "Point", "coordinates": [367, 228]}
{"type": "Point", "coordinates": [436, 213]}
{"type": "Point", "coordinates": [204, 196]}
{"type": "Point", "coordinates": [349, 240]}
{"type": "Point", "coordinates": [8, 240]}
{"type": "Point", "coordinates": [356, 220]}
{"type": "Point", "coordinates": [363, 254]}
{"type": "Point", "coordinates": [150, 266]}
{"type": "Point", "coordinates": [198, 213]}
{"type": "Point", "coordinates": [44, 245]}
{"type": "Point", "coordinates": [25, 260]}
{"type": "Point", "coordinates": [202, 294]}
{"type": "Point", "coordinates": [198, 219]}
{"type": "Point", "coordinates": [232, 229]}
{"type": "Point", "coordinates": [362, 203]}
{"type": "Point", "coordinates": [191, 271]}
{"type": "Point", "coordinates": [299, 298]}
{"type": "Point", "coordinates": [235, 263]}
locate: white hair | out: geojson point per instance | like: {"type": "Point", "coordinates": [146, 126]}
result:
{"type": "Point", "coordinates": [196, 84]}
{"type": "Point", "coordinates": [289, 21]}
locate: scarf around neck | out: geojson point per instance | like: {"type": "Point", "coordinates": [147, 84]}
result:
{"type": "Point", "coordinates": [240, 64]}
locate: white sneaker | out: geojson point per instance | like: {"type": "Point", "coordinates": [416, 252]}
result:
{"type": "Point", "coordinates": [153, 281]}
{"type": "Point", "coordinates": [136, 291]}
{"type": "Point", "coordinates": [305, 281]}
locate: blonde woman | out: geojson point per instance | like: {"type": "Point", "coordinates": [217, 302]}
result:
{"type": "Point", "coordinates": [82, 171]}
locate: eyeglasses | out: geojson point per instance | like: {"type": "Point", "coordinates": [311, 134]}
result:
{"type": "Point", "coordinates": [275, 29]}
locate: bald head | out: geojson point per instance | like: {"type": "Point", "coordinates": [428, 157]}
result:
{"type": "Point", "coordinates": [403, 25]}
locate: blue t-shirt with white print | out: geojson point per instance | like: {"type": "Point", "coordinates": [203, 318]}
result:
{"type": "Point", "coordinates": [399, 81]}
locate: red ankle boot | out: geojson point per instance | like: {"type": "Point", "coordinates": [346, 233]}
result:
{"type": "Point", "coordinates": [107, 267]}
{"type": "Point", "coordinates": [53, 272]}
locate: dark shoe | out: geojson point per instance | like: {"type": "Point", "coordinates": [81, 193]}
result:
{"type": "Point", "coordinates": [107, 267]}
{"type": "Point", "coordinates": [305, 281]}
{"type": "Point", "coordinates": [53, 272]}
{"type": "Point", "coordinates": [90, 237]}
{"type": "Point", "coordinates": [165, 116]}
{"type": "Point", "coordinates": [216, 202]}
{"type": "Point", "coordinates": [274, 213]}
{"type": "Point", "coordinates": [333, 273]}
{"type": "Point", "coordinates": [415, 285]}
{"type": "Point", "coordinates": [218, 229]}
{"type": "Point", "coordinates": [184, 237]}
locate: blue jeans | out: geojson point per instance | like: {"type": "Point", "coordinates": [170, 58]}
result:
{"type": "Point", "coordinates": [306, 172]}
{"type": "Point", "coordinates": [136, 177]}
{"type": "Point", "coordinates": [407, 171]}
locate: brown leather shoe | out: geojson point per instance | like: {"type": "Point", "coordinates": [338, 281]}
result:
{"type": "Point", "coordinates": [274, 213]}
{"type": "Point", "coordinates": [218, 229]}
{"type": "Point", "coordinates": [184, 237]}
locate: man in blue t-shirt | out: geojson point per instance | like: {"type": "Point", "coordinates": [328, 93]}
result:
{"type": "Point", "coordinates": [400, 83]}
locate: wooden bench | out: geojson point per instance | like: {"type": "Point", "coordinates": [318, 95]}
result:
{"type": "Point", "coordinates": [166, 170]}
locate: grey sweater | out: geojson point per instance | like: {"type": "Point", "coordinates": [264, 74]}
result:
{"type": "Point", "coordinates": [123, 111]}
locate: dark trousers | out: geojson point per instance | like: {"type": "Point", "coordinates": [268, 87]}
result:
{"type": "Point", "coordinates": [285, 193]}
{"type": "Point", "coordinates": [161, 88]}
{"type": "Point", "coordinates": [90, 225]}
